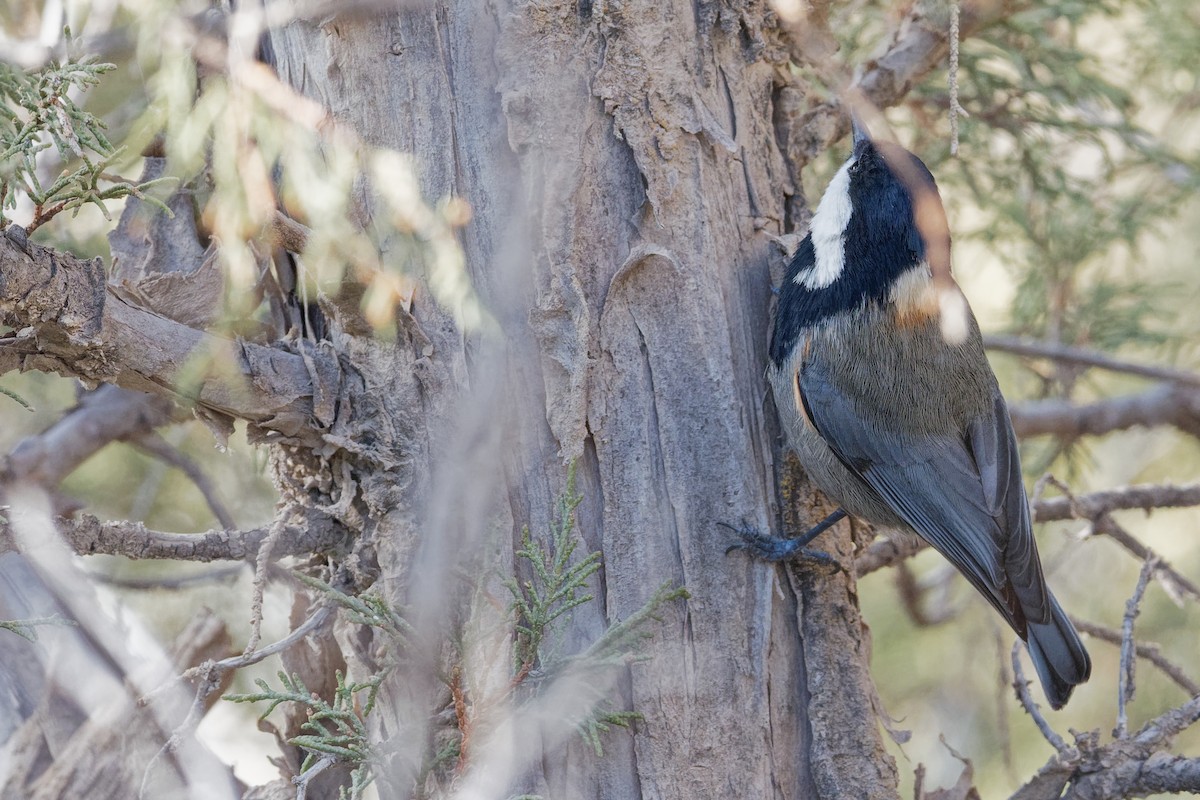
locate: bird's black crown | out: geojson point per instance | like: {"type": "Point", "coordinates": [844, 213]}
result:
{"type": "Point", "coordinates": [880, 241]}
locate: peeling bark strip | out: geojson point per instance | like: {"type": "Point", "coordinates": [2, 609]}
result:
{"type": "Point", "coordinates": [69, 321]}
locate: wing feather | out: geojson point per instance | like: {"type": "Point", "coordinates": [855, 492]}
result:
{"type": "Point", "coordinates": [961, 491]}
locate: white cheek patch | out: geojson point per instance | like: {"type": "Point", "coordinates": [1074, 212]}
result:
{"type": "Point", "coordinates": [828, 230]}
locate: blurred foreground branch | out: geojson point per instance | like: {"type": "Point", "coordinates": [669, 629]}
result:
{"type": "Point", "coordinates": [915, 46]}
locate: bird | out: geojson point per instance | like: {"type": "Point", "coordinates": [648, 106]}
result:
{"type": "Point", "coordinates": [878, 372]}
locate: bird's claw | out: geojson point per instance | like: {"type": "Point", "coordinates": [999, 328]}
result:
{"type": "Point", "coordinates": [776, 548]}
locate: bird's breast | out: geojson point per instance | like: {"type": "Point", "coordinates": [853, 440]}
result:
{"type": "Point", "coordinates": [903, 376]}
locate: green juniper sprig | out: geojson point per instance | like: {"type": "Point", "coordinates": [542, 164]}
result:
{"type": "Point", "coordinates": [27, 628]}
{"type": "Point", "coordinates": [557, 585]}
{"type": "Point", "coordinates": [334, 730]}
{"type": "Point", "coordinates": [37, 112]}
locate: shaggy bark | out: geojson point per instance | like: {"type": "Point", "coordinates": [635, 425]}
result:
{"type": "Point", "coordinates": [623, 166]}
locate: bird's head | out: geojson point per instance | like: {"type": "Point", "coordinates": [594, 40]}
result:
{"type": "Point", "coordinates": [878, 235]}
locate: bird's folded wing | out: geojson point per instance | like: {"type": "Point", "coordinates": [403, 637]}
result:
{"type": "Point", "coordinates": [960, 491]}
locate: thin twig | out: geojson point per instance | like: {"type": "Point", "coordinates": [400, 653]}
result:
{"type": "Point", "coordinates": [1150, 652]}
{"type": "Point", "coordinates": [1095, 507]}
{"type": "Point", "coordinates": [1126, 687]}
{"type": "Point", "coordinates": [1031, 708]}
{"type": "Point", "coordinates": [168, 581]}
{"type": "Point", "coordinates": [185, 728]}
{"type": "Point", "coordinates": [301, 780]}
{"type": "Point", "coordinates": [260, 580]}
{"type": "Point", "coordinates": [955, 108]}
{"type": "Point", "coordinates": [309, 625]}
{"type": "Point", "coordinates": [161, 449]}
{"type": "Point", "coordinates": [1174, 583]}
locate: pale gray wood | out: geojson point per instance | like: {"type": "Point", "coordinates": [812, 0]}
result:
{"type": "Point", "coordinates": [625, 177]}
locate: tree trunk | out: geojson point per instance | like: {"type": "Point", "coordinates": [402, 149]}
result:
{"type": "Point", "coordinates": [624, 168]}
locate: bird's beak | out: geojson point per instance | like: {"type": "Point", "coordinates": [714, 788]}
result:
{"type": "Point", "coordinates": [861, 134]}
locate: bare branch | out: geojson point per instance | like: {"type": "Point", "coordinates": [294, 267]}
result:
{"type": "Point", "coordinates": [1126, 687]}
{"type": "Point", "coordinates": [103, 416]}
{"type": "Point", "coordinates": [69, 321]}
{"type": "Point", "coordinates": [160, 448]}
{"type": "Point", "coordinates": [1089, 358]}
{"type": "Point", "coordinates": [89, 536]}
{"type": "Point", "coordinates": [918, 44]}
{"type": "Point", "coordinates": [1092, 506]}
{"type": "Point", "coordinates": [1150, 652]}
{"type": "Point", "coordinates": [1021, 685]}
{"type": "Point", "coordinates": [1169, 404]}
{"type": "Point", "coordinates": [1095, 506]}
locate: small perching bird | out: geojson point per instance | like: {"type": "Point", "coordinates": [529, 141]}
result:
{"type": "Point", "coordinates": [880, 379]}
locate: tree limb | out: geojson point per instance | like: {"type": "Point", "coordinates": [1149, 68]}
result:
{"type": "Point", "coordinates": [103, 416]}
{"type": "Point", "coordinates": [1132, 766]}
{"type": "Point", "coordinates": [1168, 404]}
{"type": "Point", "coordinates": [69, 321]}
{"type": "Point", "coordinates": [1161, 773]}
{"type": "Point", "coordinates": [1090, 358]}
{"type": "Point", "coordinates": [90, 536]}
{"type": "Point", "coordinates": [1095, 507]}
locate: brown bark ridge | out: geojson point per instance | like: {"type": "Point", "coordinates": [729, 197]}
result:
{"type": "Point", "coordinates": [623, 168]}
{"type": "Point", "coordinates": [69, 319]}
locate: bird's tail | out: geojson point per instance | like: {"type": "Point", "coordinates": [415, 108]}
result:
{"type": "Point", "coordinates": [1058, 656]}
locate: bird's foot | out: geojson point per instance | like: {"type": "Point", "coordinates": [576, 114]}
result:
{"type": "Point", "coordinates": [778, 548]}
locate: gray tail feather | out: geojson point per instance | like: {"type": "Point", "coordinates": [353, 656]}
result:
{"type": "Point", "coordinates": [1058, 656]}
